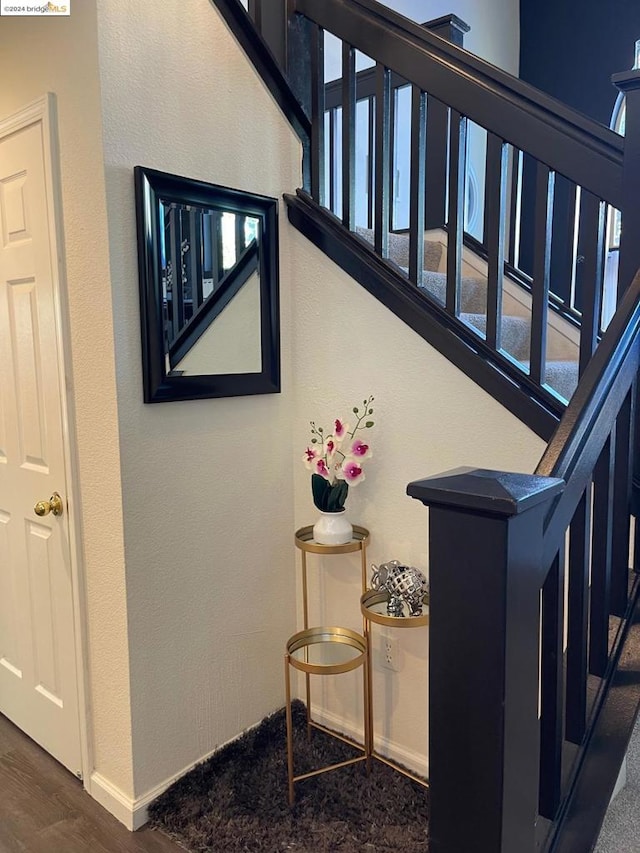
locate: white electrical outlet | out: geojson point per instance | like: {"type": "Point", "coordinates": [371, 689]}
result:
{"type": "Point", "coordinates": [389, 653]}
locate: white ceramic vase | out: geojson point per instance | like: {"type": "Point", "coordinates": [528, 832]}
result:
{"type": "Point", "coordinates": [332, 528]}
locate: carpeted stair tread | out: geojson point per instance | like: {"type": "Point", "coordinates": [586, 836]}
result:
{"type": "Point", "coordinates": [237, 800]}
{"type": "Point", "coordinates": [562, 376]}
{"type": "Point", "coordinates": [399, 248]}
{"type": "Point", "coordinates": [515, 337]}
{"type": "Point", "coordinates": [472, 290]}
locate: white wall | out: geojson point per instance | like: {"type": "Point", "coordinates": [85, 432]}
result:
{"type": "Point", "coordinates": [60, 55]}
{"type": "Point", "coordinates": [207, 486]}
{"type": "Point", "coordinates": [429, 417]}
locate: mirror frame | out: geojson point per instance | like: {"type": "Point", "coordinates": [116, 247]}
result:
{"type": "Point", "coordinates": [151, 187]}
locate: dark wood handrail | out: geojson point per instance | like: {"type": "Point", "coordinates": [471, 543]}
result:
{"type": "Point", "coordinates": [594, 387]}
{"type": "Point", "coordinates": [584, 428]}
{"type": "Point", "coordinates": [565, 140]}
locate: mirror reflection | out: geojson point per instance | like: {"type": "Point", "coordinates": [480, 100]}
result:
{"type": "Point", "coordinates": [208, 289]}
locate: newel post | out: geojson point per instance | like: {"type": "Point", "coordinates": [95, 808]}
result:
{"type": "Point", "coordinates": [485, 544]}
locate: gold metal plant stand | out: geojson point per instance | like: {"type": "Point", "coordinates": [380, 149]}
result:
{"type": "Point", "coordinates": [326, 651]}
{"type": "Point", "coordinates": [306, 543]}
{"type": "Point", "coordinates": [373, 606]}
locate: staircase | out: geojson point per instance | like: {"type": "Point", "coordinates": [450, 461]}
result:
{"type": "Point", "coordinates": [533, 694]}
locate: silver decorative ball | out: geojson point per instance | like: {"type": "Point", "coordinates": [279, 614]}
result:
{"type": "Point", "coordinates": [406, 585]}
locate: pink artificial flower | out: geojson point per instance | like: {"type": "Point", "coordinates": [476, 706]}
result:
{"type": "Point", "coordinates": [310, 455]}
{"type": "Point", "coordinates": [330, 447]}
{"type": "Point", "coordinates": [320, 467]}
{"type": "Point", "coordinates": [340, 429]}
{"type": "Point", "coordinates": [352, 471]}
{"type": "Point", "coordinates": [360, 450]}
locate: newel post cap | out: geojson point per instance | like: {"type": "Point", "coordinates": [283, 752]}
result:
{"type": "Point", "coordinates": [485, 491]}
{"type": "Point", "coordinates": [627, 81]}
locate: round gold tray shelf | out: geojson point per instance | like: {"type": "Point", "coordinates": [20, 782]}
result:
{"type": "Point", "coordinates": [305, 541]}
{"type": "Point", "coordinates": [312, 644]}
{"type": "Point", "coordinates": [371, 605]}
{"type": "Point", "coordinates": [313, 636]}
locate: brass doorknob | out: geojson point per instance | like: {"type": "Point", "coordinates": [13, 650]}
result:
{"type": "Point", "coordinates": [54, 505]}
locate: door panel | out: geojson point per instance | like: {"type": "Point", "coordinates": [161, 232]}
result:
{"type": "Point", "coordinates": [38, 679]}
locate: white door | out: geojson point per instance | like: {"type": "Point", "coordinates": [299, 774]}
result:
{"type": "Point", "coordinates": [38, 678]}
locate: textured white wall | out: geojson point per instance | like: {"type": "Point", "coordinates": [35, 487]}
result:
{"type": "Point", "coordinates": [429, 417]}
{"type": "Point", "coordinates": [207, 485]}
{"type": "Point", "coordinates": [60, 55]}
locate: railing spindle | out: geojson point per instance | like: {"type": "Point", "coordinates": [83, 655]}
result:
{"type": "Point", "coordinates": [578, 620]}
{"type": "Point", "coordinates": [195, 257]}
{"type": "Point", "coordinates": [371, 159]}
{"type": "Point", "coordinates": [417, 193]}
{"type": "Point", "coordinates": [494, 233]}
{"type": "Point", "coordinates": [551, 720]}
{"type": "Point", "coordinates": [436, 168]}
{"type": "Point", "coordinates": [318, 163]}
{"type": "Point", "coordinates": [255, 13]}
{"type": "Point", "coordinates": [591, 247]}
{"type": "Point", "coordinates": [348, 135]}
{"type": "Point", "coordinates": [393, 110]}
{"type": "Point", "coordinates": [455, 223]}
{"type": "Point", "coordinates": [333, 153]}
{"type": "Point", "coordinates": [541, 271]}
{"type": "Point", "coordinates": [621, 507]}
{"type": "Point", "coordinates": [515, 207]}
{"type": "Point", "coordinates": [383, 161]}
{"type": "Point", "coordinates": [601, 561]}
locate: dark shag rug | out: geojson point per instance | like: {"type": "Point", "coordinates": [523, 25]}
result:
{"type": "Point", "coordinates": [237, 801]}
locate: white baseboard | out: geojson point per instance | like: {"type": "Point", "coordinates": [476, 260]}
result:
{"type": "Point", "coordinates": [134, 813]}
{"type": "Point", "coordinates": [414, 761]}
{"type": "Point", "coordinates": [112, 799]}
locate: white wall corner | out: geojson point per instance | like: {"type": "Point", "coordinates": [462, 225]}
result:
{"type": "Point", "coordinates": [414, 761]}
{"type": "Point", "coordinates": [134, 813]}
{"type": "Point", "coordinates": [113, 800]}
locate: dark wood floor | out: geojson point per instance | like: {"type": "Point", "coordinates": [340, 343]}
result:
{"type": "Point", "coordinates": [44, 809]}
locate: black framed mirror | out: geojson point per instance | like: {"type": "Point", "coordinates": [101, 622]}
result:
{"type": "Point", "coordinates": [209, 294]}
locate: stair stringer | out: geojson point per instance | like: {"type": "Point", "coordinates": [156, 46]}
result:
{"type": "Point", "coordinates": [538, 409]}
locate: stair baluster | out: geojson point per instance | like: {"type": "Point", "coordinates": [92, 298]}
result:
{"type": "Point", "coordinates": [417, 192]}
{"type": "Point", "coordinates": [494, 234]}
